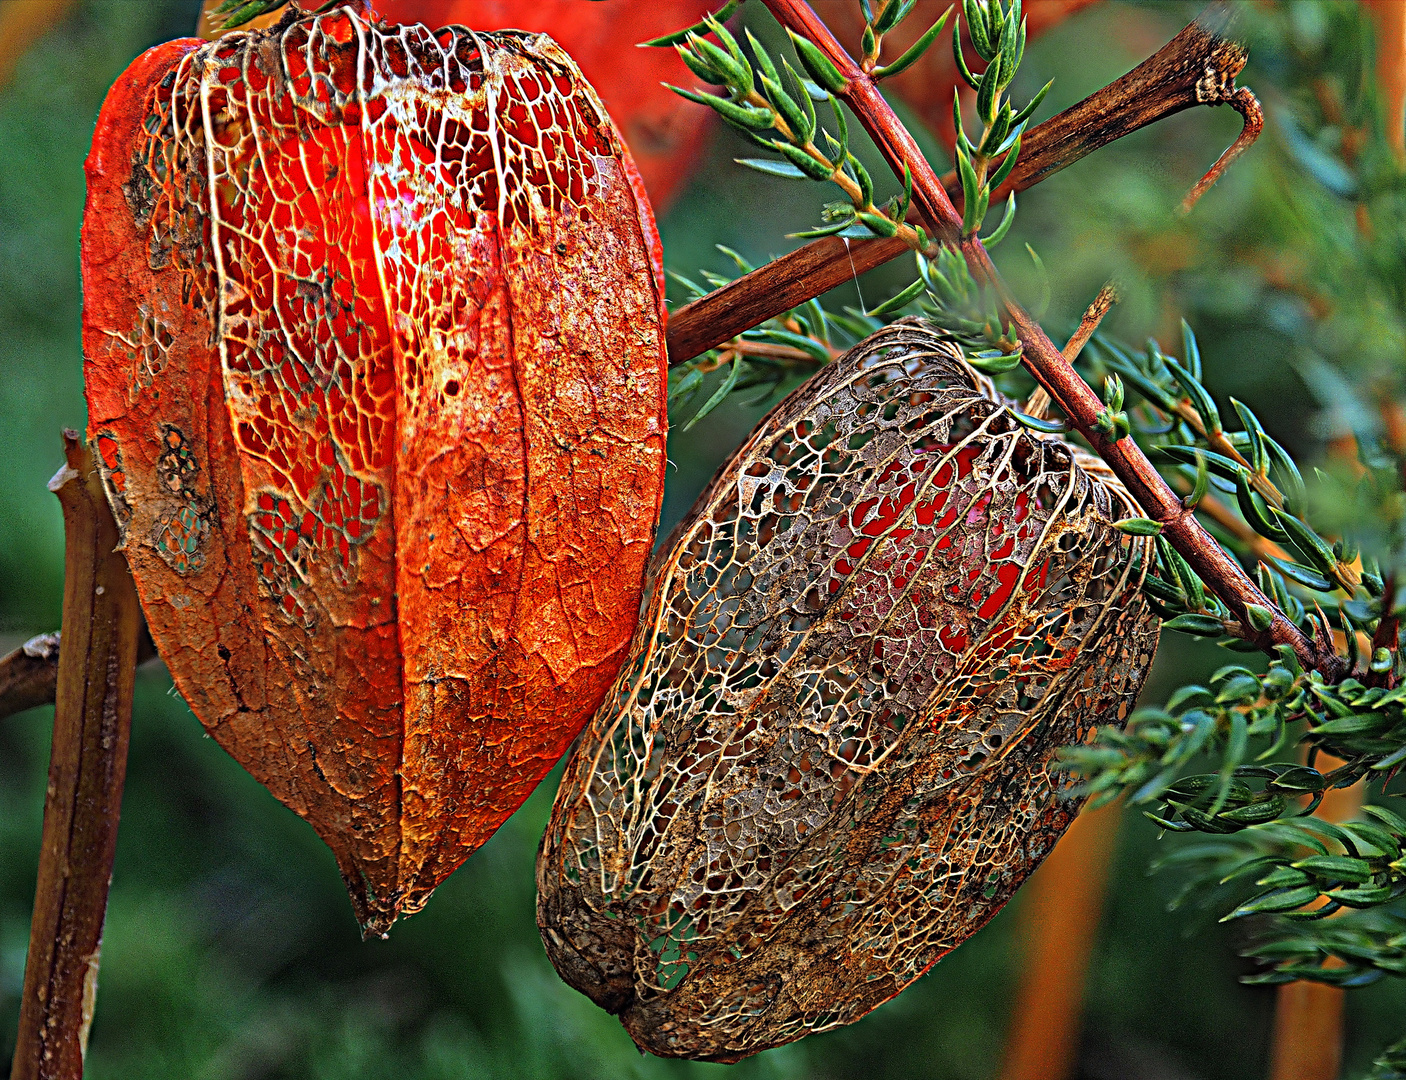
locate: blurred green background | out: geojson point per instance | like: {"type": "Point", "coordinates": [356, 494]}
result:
{"type": "Point", "coordinates": [230, 949]}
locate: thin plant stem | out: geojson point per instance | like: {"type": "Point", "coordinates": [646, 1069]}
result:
{"type": "Point", "coordinates": [1390, 17]}
{"type": "Point", "coordinates": [1307, 1038]}
{"type": "Point", "coordinates": [1088, 325]}
{"type": "Point", "coordinates": [1223, 516]}
{"type": "Point", "coordinates": [24, 23]}
{"type": "Point", "coordinates": [1197, 67]}
{"type": "Point", "coordinates": [1045, 362]}
{"type": "Point", "coordinates": [1248, 106]}
{"type": "Point", "coordinates": [88, 763]}
{"type": "Point", "coordinates": [1038, 405]}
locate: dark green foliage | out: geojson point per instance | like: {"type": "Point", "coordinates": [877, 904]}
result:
{"type": "Point", "coordinates": [1391, 1065]}
{"type": "Point", "coordinates": [1272, 864]}
{"type": "Point", "coordinates": [784, 105]}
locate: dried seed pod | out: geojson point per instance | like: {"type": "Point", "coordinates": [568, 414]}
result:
{"type": "Point", "coordinates": [375, 367]}
{"type": "Point", "coordinates": [828, 761]}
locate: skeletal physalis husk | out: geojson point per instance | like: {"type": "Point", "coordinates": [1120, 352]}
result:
{"type": "Point", "coordinates": [829, 759]}
{"type": "Point", "coordinates": [374, 360]}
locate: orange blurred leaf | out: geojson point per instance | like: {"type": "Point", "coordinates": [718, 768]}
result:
{"type": "Point", "coordinates": [22, 23]}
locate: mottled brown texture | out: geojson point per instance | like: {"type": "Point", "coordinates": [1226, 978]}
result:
{"type": "Point", "coordinates": [828, 760]}
{"type": "Point", "coordinates": [374, 362]}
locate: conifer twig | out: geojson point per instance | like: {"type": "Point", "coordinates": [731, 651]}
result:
{"type": "Point", "coordinates": [1042, 358]}
{"type": "Point", "coordinates": [88, 764]}
{"type": "Point", "coordinates": [1197, 67]}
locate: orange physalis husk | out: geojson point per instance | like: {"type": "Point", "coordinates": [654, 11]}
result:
{"type": "Point", "coordinates": [375, 368]}
{"type": "Point", "coordinates": [829, 759]}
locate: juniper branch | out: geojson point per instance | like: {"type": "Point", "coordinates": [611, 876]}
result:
{"type": "Point", "coordinates": [1044, 361]}
{"type": "Point", "coordinates": [1197, 67]}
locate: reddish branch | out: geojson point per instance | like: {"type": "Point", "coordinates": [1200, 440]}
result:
{"type": "Point", "coordinates": [1043, 359]}
{"type": "Point", "coordinates": [1248, 106]}
{"type": "Point", "coordinates": [88, 763]}
{"type": "Point", "coordinates": [1197, 67]}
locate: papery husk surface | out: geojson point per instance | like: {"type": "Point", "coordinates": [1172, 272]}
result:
{"type": "Point", "coordinates": [829, 759]}
{"type": "Point", "coordinates": [374, 360]}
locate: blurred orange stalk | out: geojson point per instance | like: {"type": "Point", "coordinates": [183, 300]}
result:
{"type": "Point", "coordinates": [1390, 17]}
{"type": "Point", "coordinates": [1307, 1043]}
{"type": "Point", "coordinates": [1060, 912]}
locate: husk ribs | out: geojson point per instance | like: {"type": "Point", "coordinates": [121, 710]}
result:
{"type": "Point", "coordinates": [829, 759]}
{"type": "Point", "coordinates": [374, 358]}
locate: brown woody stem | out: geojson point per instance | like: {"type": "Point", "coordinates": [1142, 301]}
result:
{"type": "Point", "coordinates": [1088, 325]}
{"type": "Point", "coordinates": [1039, 404]}
{"type": "Point", "coordinates": [88, 763]}
{"type": "Point", "coordinates": [1043, 359]}
{"type": "Point", "coordinates": [29, 674]}
{"type": "Point", "coordinates": [1197, 67]}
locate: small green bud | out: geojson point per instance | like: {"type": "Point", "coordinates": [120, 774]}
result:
{"type": "Point", "coordinates": [1138, 526]}
{"type": "Point", "coordinates": [738, 73]}
{"type": "Point", "coordinates": [817, 64]}
{"type": "Point", "coordinates": [700, 68]}
{"type": "Point", "coordinates": [1113, 392]}
{"type": "Point", "coordinates": [1261, 618]}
